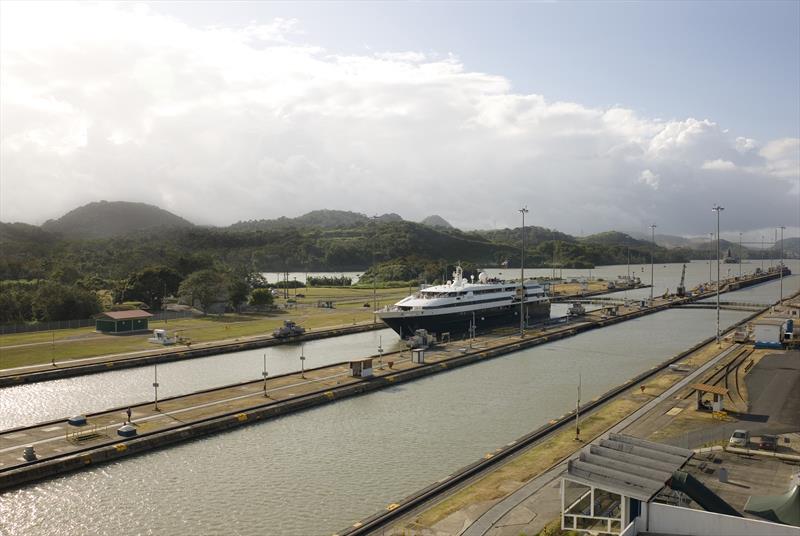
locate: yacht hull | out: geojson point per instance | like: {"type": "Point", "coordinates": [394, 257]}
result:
{"type": "Point", "coordinates": [458, 323]}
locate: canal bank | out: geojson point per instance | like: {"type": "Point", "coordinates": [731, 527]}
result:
{"type": "Point", "coordinates": [221, 409]}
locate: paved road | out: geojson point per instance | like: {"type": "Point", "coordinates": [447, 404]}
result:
{"type": "Point", "coordinates": [774, 388]}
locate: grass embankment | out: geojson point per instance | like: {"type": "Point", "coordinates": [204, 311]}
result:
{"type": "Point", "coordinates": [40, 347]}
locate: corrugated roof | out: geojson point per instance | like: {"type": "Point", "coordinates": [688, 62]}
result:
{"type": "Point", "coordinates": [628, 465]}
{"type": "Point", "coordinates": [125, 315]}
{"type": "Point", "coordinates": [706, 388]}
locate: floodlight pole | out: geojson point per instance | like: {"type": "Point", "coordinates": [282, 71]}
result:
{"type": "Point", "coordinates": [264, 373]}
{"type": "Point", "coordinates": [652, 259]}
{"type": "Point", "coordinates": [740, 255]}
{"type": "Point", "coordinates": [523, 211]}
{"type": "Point", "coordinates": [710, 253]}
{"type": "Point", "coordinates": [782, 227]}
{"type": "Point", "coordinates": [718, 209]}
{"type": "Point", "coordinates": [302, 362]}
{"type": "Point", "coordinates": [155, 385]}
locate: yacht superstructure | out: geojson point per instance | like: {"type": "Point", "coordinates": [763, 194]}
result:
{"type": "Point", "coordinates": [462, 304]}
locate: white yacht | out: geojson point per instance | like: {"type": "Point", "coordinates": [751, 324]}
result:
{"type": "Point", "coordinates": [453, 307]}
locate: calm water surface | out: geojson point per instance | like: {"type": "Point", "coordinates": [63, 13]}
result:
{"type": "Point", "coordinates": [320, 470]}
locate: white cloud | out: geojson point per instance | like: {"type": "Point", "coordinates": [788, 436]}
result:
{"type": "Point", "coordinates": [116, 101]}
{"type": "Point", "coordinates": [719, 165]}
{"type": "Point", "coordinates": [649, 178]}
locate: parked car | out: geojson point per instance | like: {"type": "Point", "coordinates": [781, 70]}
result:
{"type": "Point", "coordinates": [768, 442]}
{"type": "Point", "coordinates": [740, 438]}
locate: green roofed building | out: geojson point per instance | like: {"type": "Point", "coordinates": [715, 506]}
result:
{"type": "Point", "coordinates": [122, 321]}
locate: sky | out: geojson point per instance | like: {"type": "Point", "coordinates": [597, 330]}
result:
{"type": "Point", "coordinates": [596, 116]}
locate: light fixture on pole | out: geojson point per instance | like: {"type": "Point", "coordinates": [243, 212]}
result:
{"type": "Point", "coordinates": [762, 252]}
{"type": "Point", "coordinates": [718, 209]}
{"type": "Point", "coordinates": [780, 266]}
{"type": "Point", "coordinates": [374, 272]}
{"type": "Point", "coordinates": [380, 351]}
{"type": "Point", "coordinates": [302, 362]}
{"type": "Point", "coordinates": [155, 385]}
{"type": "Point", "coordinates": [264, 373]}
{"type": "Point", "coordinates": [652, 258]}
{"type": "Point", "coordinates": [740, 255]}
{"type": "Point", "coordinates": [710, 253]}
{"type": "Point", "coordinates": [523, 211]}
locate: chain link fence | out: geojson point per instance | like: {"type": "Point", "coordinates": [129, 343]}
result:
{"type": "Point", "coordinates": [713, 435]}
{"type": "Point", "coordinates": [7, 329]}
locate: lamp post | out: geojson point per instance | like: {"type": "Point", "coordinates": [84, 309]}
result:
{"type": "Point", "coordinates": [380, 351]}
{"type": "Point", "coordinates": [740, 255]}
{"type": "Point", "coordinates": [710, 253]}
{"type": "Point", "coordinates": [652, 257]}
{"type": "Point", "coordinates": [264, 374]}
{"type": "Point", "coordinates": [302, 362]}
{"type": "Point", "coordinates": [717, 209]}
{"type": "Point", "coordinates": [762, 252]}
{"type": "Point", "coordinates": [155, 385]}
{"type": "Point", "coordinates": [523, 211]}
{"type": "Point", "coordinates": [780, 266]}
{"type": "Point", "coordinates": [374, 271]}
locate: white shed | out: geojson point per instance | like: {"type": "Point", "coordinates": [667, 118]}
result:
{"type": "Point", "coordinates": [768, 331]}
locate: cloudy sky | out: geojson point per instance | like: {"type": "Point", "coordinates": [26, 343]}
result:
{"type": "Point", "coordinates": [595, 116]}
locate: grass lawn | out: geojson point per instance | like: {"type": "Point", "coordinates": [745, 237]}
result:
{"type": "Point", "coordinates": [84, 342]}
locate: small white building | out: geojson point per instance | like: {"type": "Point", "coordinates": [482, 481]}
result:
{"type": "Point", "coordinates": [768, 332]}
{"type": "Point", "coordinates": [618, 487]}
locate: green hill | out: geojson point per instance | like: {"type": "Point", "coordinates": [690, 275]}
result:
{"type": "Point", "coordinates": [104, 219]}
{"type": "Point", "coordinates": [324, 219]}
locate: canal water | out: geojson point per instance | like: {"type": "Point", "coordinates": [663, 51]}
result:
{"type": "Point", "coordinates": [320, 470]}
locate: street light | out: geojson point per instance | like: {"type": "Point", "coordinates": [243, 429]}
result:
{"type": "Point", "coordinates": [155, 384]}
{"type": "Point", "coordinates": [762, 252]}
{"type": "Point", "coordinates": [710, 252]}
{"type": "Point", "coordinates": [652, 256]}
{"type": "Point", "coordinates": [302, 362]}
{"type": "Point", "coordinates": [380, 351]}
{"type": "Point", "coordinates": [717, 209]}
{"type": "Point", "coordinates": [780, 266]}
{"type": "Point", "coordinates": [265, 374]}
{"type": "Point", "coordinates": [374, 271]}
{"type": "Point", "coordinates": [523, 211]}
{"type": "Point", "coordinates": [740, 255]}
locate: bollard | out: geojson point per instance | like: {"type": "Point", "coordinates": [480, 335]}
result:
{"type": "Point", "coordinates": [29, 454]}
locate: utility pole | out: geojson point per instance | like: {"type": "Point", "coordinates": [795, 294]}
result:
{"type": "Point", "coordinates": [710, 253]}
{"type": "Point", "coordinates": [780, 267]}
{"type": "Point", "coordinates": [265, 374]}
{"type": "Point", "coordinates": [762, 252]}
{"type": "Point", "coordinates": [523, 211]}
{"type": "Point", "coordinates": [578, 411]}
{"type": "Point", "coordinates": [374, 271]}
{"type": "Point", "coordinates": [554, 253]}
{"type": "Point", "coordinates": [155, 384]}
{"type": "Point", "coordinates": [652, 257]}
{"type": "Point", "coordinates": [740, 255]}
{"type": "Point", "coordinates": [718, 209]}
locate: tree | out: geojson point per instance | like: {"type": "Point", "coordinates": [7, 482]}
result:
{"type": "Point", "coordinates": [152, 285]}
{"type": "Point", "coordinates": [205, 287]}
{"type": "Point", "coordinates": [261, 298]}
{"type": "Point", "coordinates": [55, 301]}
{"type": "Point", "coordinates": [238, 290]}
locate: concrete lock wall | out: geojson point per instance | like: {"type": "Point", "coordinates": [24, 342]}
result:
{"type": "Point", "coordinates": [683, 521]}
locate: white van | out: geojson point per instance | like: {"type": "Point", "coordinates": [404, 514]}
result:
{"type": "Point", "coordinates": [740, 438]}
